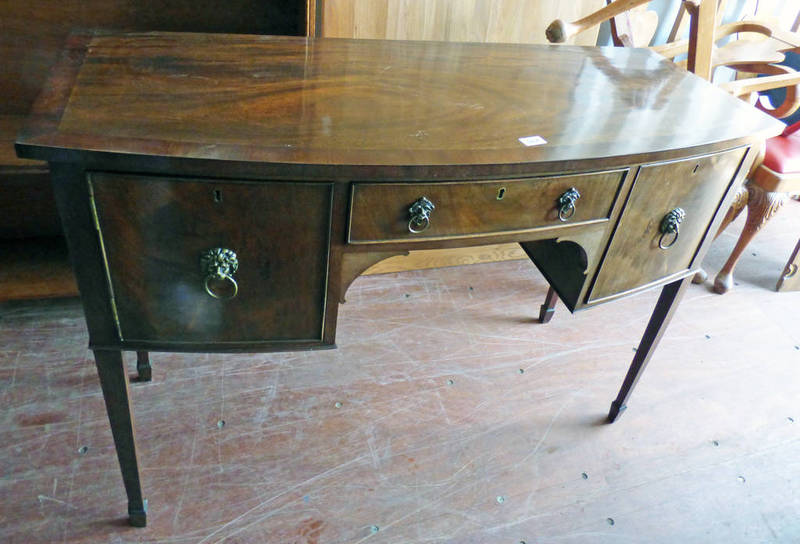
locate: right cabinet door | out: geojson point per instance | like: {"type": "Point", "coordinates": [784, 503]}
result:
{"type": "Point", "coordinates": [641, 253]}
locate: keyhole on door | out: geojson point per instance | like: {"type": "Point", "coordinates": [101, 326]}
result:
{"type": "Point", "coordinates": [217, 195]}
{"type": "Point", "coordinates": [501, 193]}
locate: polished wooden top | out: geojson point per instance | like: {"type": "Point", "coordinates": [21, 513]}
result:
{"type": "Point", "coordinates": [368, 102]}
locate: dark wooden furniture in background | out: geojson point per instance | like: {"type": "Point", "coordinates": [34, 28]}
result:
{"type": "Point", "coordinates": [298, 163]}
{"type": "Point", "coordinates": [33, 260]}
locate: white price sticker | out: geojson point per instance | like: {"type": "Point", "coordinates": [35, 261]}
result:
{"type": "Point", "coordinates": [532, 140]}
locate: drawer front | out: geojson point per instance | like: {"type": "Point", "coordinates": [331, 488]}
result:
{"type": "Point", "coordinates": [696, 186]}
{"type": "Point", "coordinates": [155, 232]}
{"type": "Point", "coordinates": [379, 212]}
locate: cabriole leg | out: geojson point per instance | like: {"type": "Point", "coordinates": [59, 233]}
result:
{"type": "Point", "coordinates": [761, 206]}
{"type": "Point", "coordinates": [665, 308]}
{"type": "Point", "coordinates": [739, 202]}
{"type": "Point", "coordinates": [114, 381]}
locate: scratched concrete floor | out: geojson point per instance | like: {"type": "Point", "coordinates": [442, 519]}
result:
{"type": "Point", "coordinates": [445, 416]}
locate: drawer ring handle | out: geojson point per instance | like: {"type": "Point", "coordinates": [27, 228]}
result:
{"type": "Point", "coordinates": [220, 264]}
{"type": "Point", "coordinates": [566, 204]}
{"type": "Point", "coordinates": [670, 225]}
{"type": "Point", "coordinates": [420, 212]}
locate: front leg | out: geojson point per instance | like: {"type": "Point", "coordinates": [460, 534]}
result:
{"type": "Point", "coordinates": [665, 308]}
{"type": "Point", "coordinates": [114, 381]}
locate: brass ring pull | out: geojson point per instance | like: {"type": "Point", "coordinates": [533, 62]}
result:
{"type": "Point", "coordinates": [219, 264]}
{"type": "Point", "coordinates": [566, 204]}
{"type": "Point", "coordinates": [420, 212]}
{"type": "Point", "coordinates": [670, 225]}
{"type": "Point", "coordinates": [221, 277]}
{"type": "Point", "coordinates": [671, 243]}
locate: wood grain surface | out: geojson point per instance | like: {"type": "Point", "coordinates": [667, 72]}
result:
{"type": "Point", "coordinates": [380, 212]}
{"type": "Point", "coordinates": [509, 21]}
{"type": "Point", "coordinates": [437, 258]}
{"type": "Point", "coordinates": [34, 31]}
{"type": "Point", "coordinates": [379, 103]}
{"type": "Point", "coordinates": [696, 185]}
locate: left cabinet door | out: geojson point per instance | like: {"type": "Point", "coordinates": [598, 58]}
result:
{"type": "Point", "coordinates": [170, 246]}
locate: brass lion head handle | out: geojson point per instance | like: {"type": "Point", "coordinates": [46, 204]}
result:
{"type": "Point", "coordinates": [670, 226]}
{"type": "Point", "coordinates": [420, 215]}
{"type": "Point", "coordinates": [566, 203]}
{"type": "Point", "coordinates": [219, 265]}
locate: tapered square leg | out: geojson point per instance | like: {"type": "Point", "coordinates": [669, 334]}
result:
{"type": "Point", "coordinates": [662, 315]}
{"type": "Point", "coordinates": [143, 367]}
{"type": "Point", "coordinates": [114, 381]}
{"type": "Point", "coordinates": [138, 518]}
{"type": "Point", "coordinates": [547, 309]}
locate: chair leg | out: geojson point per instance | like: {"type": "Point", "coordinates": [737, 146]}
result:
{"type": "Point", "coordinates": [739, 202]}
{"type": "Point", "coordinates": [789, 279]}
{"type": "Point", "coordinates": [761, 206]}
{"type": "Point", "coordinates": [547, 309]}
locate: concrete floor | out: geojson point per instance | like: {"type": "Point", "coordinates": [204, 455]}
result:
{"type": "Point", "coordinates": [446, 415]}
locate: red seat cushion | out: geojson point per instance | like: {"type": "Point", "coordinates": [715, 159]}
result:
{"type": "Point", "coordinates": [783, 152]}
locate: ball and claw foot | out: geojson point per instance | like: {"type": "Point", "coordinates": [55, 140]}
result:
{"type": "Point", "coordinates": [699, 277]}
{"type": "Point", "coordinates": [616, 411]}
{"type": "Point", "coordinates": [138, 517]}
{"type": "Point", "coordinates": [723, 283]}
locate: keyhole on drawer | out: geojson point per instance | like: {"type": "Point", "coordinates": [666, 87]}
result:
{"type": "Point", "coordinates": [696, 167]}
{"type": "Point", "coordinates": [217, 195]}
{"type": "Point", "coordinates": [501, 193]}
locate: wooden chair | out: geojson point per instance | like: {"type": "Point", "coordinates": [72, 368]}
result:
{"type": "Point", "coordinates": [776, 173]}
{"type": "Point", "coordinates": [771, 179]}
{"type": "Point", "coordinates": [633, 26]}
{"type": "Point", "coordinates": [703, 55]}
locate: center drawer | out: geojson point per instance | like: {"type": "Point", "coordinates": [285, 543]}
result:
{"type": "Point", "coordinates": [389, 212]}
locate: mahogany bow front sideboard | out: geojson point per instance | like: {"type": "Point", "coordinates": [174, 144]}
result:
{"type": "Point", "coordinates": [220, 193]}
